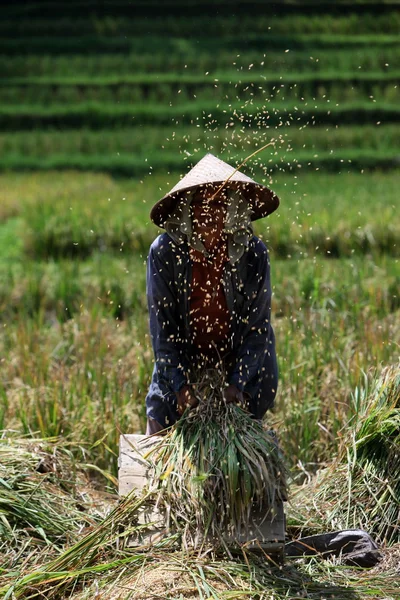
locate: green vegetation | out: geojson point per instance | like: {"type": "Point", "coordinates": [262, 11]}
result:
{"type": "Point", "coordinates": [354, 24]}
{"type": "Point", "coordinates": [320, 214]}
{"type": "Point", "coordinates": [101, 560]}
{"type": "Point", "coordinates": [69, 368]}
{"type": "Point", "coordinates": [339, 87]}
{"type": "Point", "coordinates": [93, 91]}
{"type": "Point", "coordinates": [40, 492]}
{"type": "Point", "coordinates": [97, 115]}
{"type": "Point", "coordinates": [296, 67]}
{"type": "Point", "coordinates": [138, 151]}
{"type": "Point", "coordinates": [77, 354]}
{"type": "Point", "coordinates": [366, 472]}
{"type": "Point", "coordinates": [156, 142]}
{"type": "Point", "coordinates": [180, 56]}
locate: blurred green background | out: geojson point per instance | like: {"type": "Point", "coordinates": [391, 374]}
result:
{"type": "Point", "coordinates": [103, 106]}
{"type": "Point", "coordinates": [121, 86]}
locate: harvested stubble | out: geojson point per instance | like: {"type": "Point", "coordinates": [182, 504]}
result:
{"type": "Point", "coordinates": [361, 489]}
{"type": "Point", "coordinates": [215, 467]}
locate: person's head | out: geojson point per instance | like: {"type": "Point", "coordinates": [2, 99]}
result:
{"type": "Point", "coordinates": [208, 214]}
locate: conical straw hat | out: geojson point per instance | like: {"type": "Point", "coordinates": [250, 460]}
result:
{"type": "Point", "coordinates": [211, 171]}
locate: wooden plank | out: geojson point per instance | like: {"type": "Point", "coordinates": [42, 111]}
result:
{"type": "Point", "coordinates": [153, 530]}
{"type": "Point", "coordinates": [133, 467]}
{"type": "Point", "coordinates": [134, 474]}
{"type": "Point", "coordinates": [127, 482]}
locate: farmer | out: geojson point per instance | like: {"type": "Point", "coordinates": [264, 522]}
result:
{"type": "Point", "coordinates": [209, 293]}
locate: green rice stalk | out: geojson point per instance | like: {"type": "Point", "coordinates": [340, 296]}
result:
{"type": "Point", "coordinates": [172, 575]}
{"type": "Point", "coordinates": [99, 566]}
{"type": "Point", "coordinates": [46, 502]}
{"type": "Point", "coordinates": [361, 489]}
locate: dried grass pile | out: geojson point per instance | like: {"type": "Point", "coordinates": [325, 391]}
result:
{"type": "Point", "coordinates": [216, 465]}
{"type": "Point", "coordinates": [362, 487]}
{"type": "Point", "coordinates": [44, 503]}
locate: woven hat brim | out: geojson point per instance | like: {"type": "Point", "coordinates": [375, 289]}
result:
{"type": "Point", "coordinates": [262, 200]}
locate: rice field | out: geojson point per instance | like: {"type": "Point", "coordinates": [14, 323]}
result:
{"type": "Point", "coordinates": [114, 213]}
{"type": "Point", "coordinates": [365, 53]}
{"type": "Point", "coordinates": [78, 274]}
{"type": "Point", "coordinates": [102, 108]}
{"type": "Point", "coordinates": [100, 561]}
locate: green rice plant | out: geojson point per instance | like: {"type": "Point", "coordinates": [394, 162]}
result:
{"type": "Point", "coordinates": [362, 487]}
{"type": "Point", "coordinates": [351, 20]}
{"type": "Point", "coordinates": [82, 379]}
{"type": "Point", "coordinates": [145, 87]}
{"type": "Point", "coordinates": [69, 45]}
{"type": "Point", "coordinates": [74, 338]}
{"type": "Point", "coordinates": [125, 30]}
{"type": "Point", "coordinates": [128, 165]}
{"type": "Point", "coordinates": [83, 557]}
{"type": "Point", "coordinates": [80, 225]}
{"type": "Point", "coordinates": [320, 214]}
{"type": "Point", "coordinates": [158, 144]}
{"type": "Point", "coordinates": [115, 287]}
{"type": "Point", "coordinates": [100, 564]}
{"type": "Point", "coordinates": [215, 466]}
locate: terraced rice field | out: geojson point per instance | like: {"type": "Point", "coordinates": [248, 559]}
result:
{"type": "Point", "coordinates": [102, 108]}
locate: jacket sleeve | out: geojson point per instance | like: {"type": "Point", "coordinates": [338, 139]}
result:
{"type": "Point", "coordinates": [255, 331]}
{"type": "Point", "coordinates": [165, 320]}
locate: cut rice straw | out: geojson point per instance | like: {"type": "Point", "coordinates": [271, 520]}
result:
{"type": "Point", "coordinates": [216, 466]}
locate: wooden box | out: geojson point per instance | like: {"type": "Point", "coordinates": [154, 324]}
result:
{"type": "Point", "coordinates": [267, 530]}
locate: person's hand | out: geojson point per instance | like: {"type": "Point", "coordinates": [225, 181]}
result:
{"type": "Point", "coordinates": [186, 399]}
{"type": "Point", "coordinates": [233, 395]}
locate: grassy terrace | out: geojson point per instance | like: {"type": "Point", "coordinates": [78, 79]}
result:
{"type": "Point", "coordinates": [144, 88]}
{"type": "Point", "coordinates": [114, 215]}
{"type": "Point", "coordinates": [98, 115]}
{"type": "Point", "coordinates": [370, 55]}
{"type": "Point", "coordinates": [350, 22]}
{"type": "Point", "coordinates": [104, 44]}
{"type": "Point", "coordinates": [150, 140]}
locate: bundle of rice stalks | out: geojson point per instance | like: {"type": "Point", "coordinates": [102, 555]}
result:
{"type": "Point", "coordinates": [362, 488]}
{"type": "Point", "coordinates": [216, 466]}
{"type": "Point", "coordinates": [44, 504]}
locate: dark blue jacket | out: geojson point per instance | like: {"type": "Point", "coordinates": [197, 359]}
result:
{"type": "Point", "coordinates": [248, 295]}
